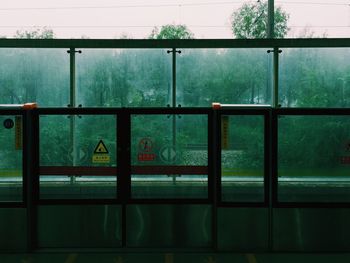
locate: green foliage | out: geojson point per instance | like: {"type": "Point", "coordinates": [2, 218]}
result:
{"type": "Point", "coordinates": [171, 32]}
{"type": "Point", "coordinates": [39, 33]}
{"type": "Point", "coordinates": [250, 21]}
{"type": "Point", "coordinates": [142, 78]}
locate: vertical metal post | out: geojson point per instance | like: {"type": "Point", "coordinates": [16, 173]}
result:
{"type": "Point", "coordinates": [268, 127]}
{"type": "Point", "coordinates": [123, 164]}
{"type": "Point", "coordinates": [214, 166]}
{"type": "Point", "coordinates": [273, 172]}
{"type": "Point", "coordinates": [31, 157]}
{"type": "Point", "coordinates": [173, 98]}
{"type": "Point", "coordinates": [275, 98]}
{"type": "Point", "coordinates": [271, 19]}
{"type": "Point", "coordinates": [72, 77]}
{"type": "Point", "coordinates": [72, 104]}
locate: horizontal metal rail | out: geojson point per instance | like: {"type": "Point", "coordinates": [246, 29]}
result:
{"type": "Point", "coordinates": [174, 43]}
{"type": "Point", "coordinates": [112, 171]}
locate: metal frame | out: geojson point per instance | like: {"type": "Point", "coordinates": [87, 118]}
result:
{"type": "Point", "coordinates": [175, 43]}
{"type": "Point", "coordinates": [274, 152]}
{"type": "Point", "coordinates": [25, 168]}
{"type": "Point", "coordinates": [261, 111]}
{"type": "Point", "coordinates": [124, 167]}
{"type": "Point", "coordinates": [32, 170]}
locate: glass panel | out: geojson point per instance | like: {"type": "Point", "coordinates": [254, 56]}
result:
{"type": "Point", "coordinates": [87, 226]}
{"type": "Point", "coordinates": [316, 19]}
{"type": "Point", "coordinates": [242, 158]}
{"type": "Point", "coordinates": [123, 78]}
{"type": "Point", "coordinates": [34, 75]}
{"type": "Point", "coordinates": [171, 226]}
{"type": "Point", "coordinates": [313, 158]}
{"type": "Point", "coordinates": [235, 76]}
{"type": "Point", "coordinates": [86, 140]}
{"type": "Point", "coordinates": [13, 229]}
{"type": "Point", "coordinates": [161, 141]}
{"type": "Point", "coordinates": [250, 230]}
{"type": "Point", "coordinates": [315, 77]}
{"type": "Point", "coordinates": [11, 180]}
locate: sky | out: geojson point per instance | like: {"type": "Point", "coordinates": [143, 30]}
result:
{"type": "Point", "coordinates": [136, 18]}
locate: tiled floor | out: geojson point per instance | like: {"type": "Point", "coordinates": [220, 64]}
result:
{"type": "Point", "coordinates": [172, 258]}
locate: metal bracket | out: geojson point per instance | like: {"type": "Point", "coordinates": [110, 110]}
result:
{"type": "Point", "coordinates": [272, 51]}
{"type": "Point", "coordinates": [173, 50]}
{"type": "Point", "coordinates": [75, 51]}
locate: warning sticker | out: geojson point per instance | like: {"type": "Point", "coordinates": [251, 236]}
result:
{"type": "Point", "coordinates": [145, 145]}
{"type": "Point", "coordinates": [146, 150]}
{"type": "Point", "coordinates": [225, 143]}
{"type": "Point", "coordinates": [18, 133]}
{"type": "Point", "coordinates": [101, 158]}
{"type": "Point", "coordinates": [101, 154]}
{"type": "Point", "coordinates": [101, 148]}
{"type": "Point", "coordinates": [146, 157]}
{"type": "Point", "coordinates": [168, 154]}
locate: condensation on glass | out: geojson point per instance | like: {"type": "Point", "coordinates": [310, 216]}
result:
{"type": "Point", "coordinates": [34, 75]}
{"type": "Point", "coordinates": [78, 140]}
{"type": "Point", "coordinates": [169, 156]}
{"type": "Point", "coordinates": [123, 78]}
{"type": "Point", "coordinates": [314, 77]}
{"type": "Point", "coordinates": [11, 163]}
{"type": "Point", "coordinates": [242, 158]}
{"type": "Point", "coordinates": [235, 76]}
{"type": "Point", "coordinates": [313, 158]}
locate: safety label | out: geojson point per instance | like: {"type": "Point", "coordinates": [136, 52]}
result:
{"type": "Point", "coordinates": [18, 133]}
{"type": "Point", "coordinates": [225, 143]}
{"type": "Point", "coordinates": [101, 148]}
{"type": "Point", "coordinates": [168, 154]}
{"type": "Point", "coordinates": [145, 153]}
{"type": "Point", "coordinates": [101, 154]}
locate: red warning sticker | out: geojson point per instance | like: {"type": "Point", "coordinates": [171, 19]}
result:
{"type": "Point", "coordinates": [146, 150]}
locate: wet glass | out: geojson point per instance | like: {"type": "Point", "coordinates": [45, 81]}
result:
{"type": "Point", "coordinates": [123, 78]}
{"type": "Point", "coordinates": [313, 158]}
{"type": "Point", "coordinates": [169, 156]}
{"type": "Point", "coordinates": [242, 158]}
{"type": "Point", "coordinates": [78, 141]}
{"type": "Point", "coordinates": [231, 76]}
{"type": "Point", "coordinates": [34, 75]}
{"type": "Point", "coordinates": [11, 159]}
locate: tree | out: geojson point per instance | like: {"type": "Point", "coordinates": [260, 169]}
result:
{"type": "Point", "coordinates": [39, 33]}
{"type": "Point", "coordinates": [171, 32]}
{"type": "Point", "coordinates": [250, 21]}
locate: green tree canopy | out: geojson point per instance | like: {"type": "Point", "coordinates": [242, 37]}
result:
{"type": "Point", "coordinates": [250, 21]}
{"type": "Point", "coordinates": [39, 33]}
{"type": "Point", "coordinates": [171, 32]}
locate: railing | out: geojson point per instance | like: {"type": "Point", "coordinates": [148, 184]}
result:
{"type": "Point", "coordinates": [288, 157]}
{"type": "Point", "coordinates": [272, 132]}
{"type": "Point", "coordinates": [276, 179]}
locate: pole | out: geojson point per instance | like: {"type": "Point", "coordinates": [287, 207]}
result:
{"type": "Point", "coordinates": [173, 98]}
{"type": "Point", "coordinates": [275, 99]}
{"type": "Point", "coordinates": [271, 19]}
{"type": "Point", "coordinates": [72, 104]}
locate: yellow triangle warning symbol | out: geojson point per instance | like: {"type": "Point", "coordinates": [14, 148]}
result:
{"type": "Point", "coordinates": [101, 148]}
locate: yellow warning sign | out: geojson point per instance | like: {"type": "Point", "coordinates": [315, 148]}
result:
{"type": "Point", "coordinates": [101, 158]}
{"type": "Point", "coordinates": [101, 154]}
{"type": "Point", "coordinates": [225, 143]}
{"type": "Point", "coordinates": [101, 148]}
{"type": "Point", "coordinates": [18, 133]}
